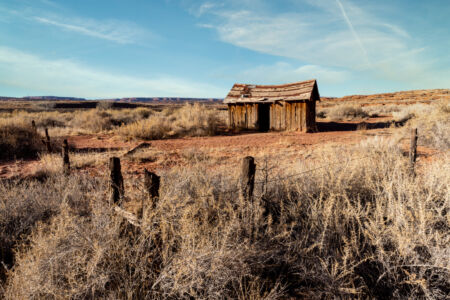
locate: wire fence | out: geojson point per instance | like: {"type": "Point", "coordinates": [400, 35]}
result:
{"type": "Point", "coordinates": [250, 178]}
{"type": "Point", "coordinates": [237, 189]}
{"type": "Point", "coordinates": [345, 161]}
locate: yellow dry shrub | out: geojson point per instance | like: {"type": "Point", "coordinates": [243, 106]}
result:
{"type": "Point", "coordinates": [189, 120]}
{"type": "Point", "coordinates": [345, 111]}
{"type": "Point", "coordinates": [349, 222]}
{"type": "Point", "coordinates": [432, 122]}
{"type": "Point", "coordinates": [18, 140]}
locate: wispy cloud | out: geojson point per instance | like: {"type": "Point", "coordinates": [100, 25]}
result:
{"type": "Point", "coordinates": [352, 29]}
{"type": "Point", "coordinates": [117, 31]}
{"type": "Point", "coordinates": [329, 34]}
{"type": "Point", "coordinates": [65, 77]}
{"type": "Point", "coordinates": [312, 37]}
{"type": "Point", "coordinates": [112, 30]}
{"type": "Point", "coordinates": [282, 72]}
{"type": "Point", "coordinates": [203, 8]}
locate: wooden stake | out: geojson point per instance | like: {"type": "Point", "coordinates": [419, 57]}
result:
{"type": "Point", "coordinates": [116, 181]}
{"type": "Point", "coordinates": [65, 155]}
{"type": "Point", "coordinates": [47, 141]}
{"type": "Point", "coordinates": [33, 125]}
{"type": "Point", "coordinates": [413, 150]}
{"type": "Point", "coordinates": [248, 177]}
{"type": "Point", "coordinates": [152, 183]}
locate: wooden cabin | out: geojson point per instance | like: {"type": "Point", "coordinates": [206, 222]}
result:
{"type": "Point", "coordinates": [290, 107]}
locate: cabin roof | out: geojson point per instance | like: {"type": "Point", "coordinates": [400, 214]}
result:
{"type": "Point", "coordinates": [250, 93]}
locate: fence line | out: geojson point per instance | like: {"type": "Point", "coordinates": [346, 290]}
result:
{"type": "Point", "coordinates": [286, 177]}
{"type": "Point", "coordinates": [247, 173]}
{"type": "Point", "coordinates": [247, 180]}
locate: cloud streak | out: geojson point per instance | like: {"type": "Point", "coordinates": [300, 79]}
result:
{"type": "Point", "coordinates": [65, 77]}
{"type": "Point", "coordinates": [322, 33]}
{"type": "Point", "coordinates": [302, 37]}
{"type": "Point", "coordinates": [282, 72]}
{"type": "Point", "coordinates": [114, 31]}
{"type": "Point", "coordinates": [352, 29]}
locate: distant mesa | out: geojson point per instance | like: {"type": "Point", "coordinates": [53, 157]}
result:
{"type": "Point", "coordinates": [166, 99]}
{"type": "Point", "coordinates": [130, 99]}
{"type": "Point", "coordinates": [43, 98]}
{"type": "Point", "coordinates": [431, 94]}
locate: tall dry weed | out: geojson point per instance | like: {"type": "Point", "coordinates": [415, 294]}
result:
{"type": "Point", "coordinates": [346, 111]}
{"type": "Point", "coordinates": [432, 122]}
{"type": "Point", "coordinates": [25, 204]}
{"type": "Point", "coordinates": [78, 121]}
{"type": "Point", "coordinates": [189, 120]}
{"type": "Point", "coordinates": [358, 225]}
{"type": "Point", "coordinates": [18, 141]}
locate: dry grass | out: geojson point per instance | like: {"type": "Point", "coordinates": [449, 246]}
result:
{"type": "Point", "coordinates": [382, 110]}
{"type": "Point", "coordinates": [98, 120]}
{"type": "Point", "coordinates": [75, 122]}
{"type": "Point", "coordinates": [432, 122]}
{"type": "Point", "coordinates": [18, 141]}
{"type": "Point", "coordinates": [52, 163]}
{"type": "Point", "coordinates": [355, 228]}
{"type": "Point", "coordinates": [189, 120]}
{"type": "Point", "coordinates": [359, 225]}
{"type": "Point", "coordinates": [25, 204]}
{"type": "Point", "coordinates": [345, 111]}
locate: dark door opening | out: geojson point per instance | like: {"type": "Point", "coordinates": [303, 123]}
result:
{"type": "Point", "coordinates": [264, 117]}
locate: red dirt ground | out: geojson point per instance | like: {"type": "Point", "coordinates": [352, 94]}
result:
{"type": "Point", "coordinates": [223, 146]}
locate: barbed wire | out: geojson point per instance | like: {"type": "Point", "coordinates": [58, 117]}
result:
{"type": "Point", "coordinates": [346, 161]}
{"type": "Point", "coordinates": [286, 177]}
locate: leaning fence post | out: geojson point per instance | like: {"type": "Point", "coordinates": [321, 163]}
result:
{"type": "Point", "coordinates": [65, 155]}
{"type": "Point", "coordinates": [248, 177]}
{"type": "Point", "coordinates": [413, 149]}
{"type": "Point", "coordinates": [47, 141]}
{"type": "Point", "coordinates": [116, 180]}
{"type": "Point", "coordinates": [152, 182]}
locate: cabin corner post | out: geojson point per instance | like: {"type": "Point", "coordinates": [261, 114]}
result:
{"type": "Point", "coordinates": [230, 121]}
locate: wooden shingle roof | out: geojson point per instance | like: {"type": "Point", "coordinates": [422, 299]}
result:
{"type": "Point", "coordinates": [248, 93]}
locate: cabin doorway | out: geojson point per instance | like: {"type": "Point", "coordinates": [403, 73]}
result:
{"type": "Point", "coordinates": [263, 117]}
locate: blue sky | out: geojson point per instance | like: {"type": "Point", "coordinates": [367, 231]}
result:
{"type": "Point", "coordinates": [112, 48]}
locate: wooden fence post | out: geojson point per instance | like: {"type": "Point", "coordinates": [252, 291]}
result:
{"type": "Point", "coordinates": [33, 125]}
{"type": "Point", "coordinates": [47, 141]}
{"type": "Point", "coordinates": [151, 182]}
{"type": "Point", "coordinates": [413, 150]}
{"type": "Point", "coordinates": [248, 177]}
{"type": "Point", "coordinates": [65, 155]}
{"type": "Point", "coordinates": [116, 180]}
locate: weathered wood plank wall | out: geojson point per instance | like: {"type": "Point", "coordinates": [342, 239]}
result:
{"type": "Point", "coordinates": [291, 116]}
{"type": "Point", "coordinates": [243, 115]}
